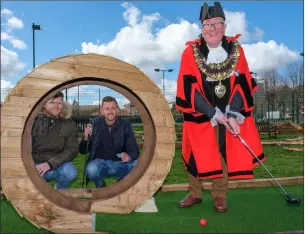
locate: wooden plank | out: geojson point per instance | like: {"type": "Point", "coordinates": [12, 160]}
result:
{"type": "Point", "coordinates": [165, 151]}
{"type": "Point", "coordinates": [159, 166]}
{"type": "Point", "coordinates": [252, 183]}
{"type": "Point", "coordinates": [77, 192]}
{"type": "Point", "coordinates": [162, 118]}
{"type": "Point", "coordinates": [165, 135]}
{"type": "Point", "coordinates": [99, 61]}
{"type": "Point", "coordinates": [41, 210]}
{"type": "Point", "coordinates": [11, 132]}
{"type": "Point", "coordinates": [18, 106]}
{"type": "Point", "coordinates": [21, 189]}
{"type": "Point", "coordinates": [12, 168]}
{"type": "Point", "coordinates": [33, 87]}
{"type": "Point", "coordinates": [10, 152]}
{"type": "Point", "coordinates": [72, 223]}
{"type": "Point", "coordinates": [12, 122]}
{"type": "Point", "coordinates": [11, 142]}
{"type": "Point", "coordinates": [101, 207]}
{"type": "Point", "coordinates": [62, 72]}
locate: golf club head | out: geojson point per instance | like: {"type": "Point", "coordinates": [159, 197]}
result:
{"type": "Point", "coordinates": [293, 200]}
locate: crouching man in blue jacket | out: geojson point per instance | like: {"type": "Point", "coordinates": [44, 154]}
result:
{"type": "Point", "coordinates": [113, 150]}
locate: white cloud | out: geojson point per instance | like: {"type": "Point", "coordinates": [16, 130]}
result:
{"type": "Point", "coordinates": [265, 56]}
{"type": "Point", "coordinates": [10, 63]}
{"type": "Point", "coordinates": [237, 24]}
{"type": "Point", "coordinates": [122, 102]}
{"type": "Point", "coordinates": [141, 44]}
{"type": "Point", "coordinates": [6, 86]}
{"type": "Point", "coordinates": [14, 22]}
{"type": "Point", "coordinates": [6, 12]}
{"type": "Point", "coordinates": [5, 36]}
{"type": "Point", "coordinates": [18, 44]}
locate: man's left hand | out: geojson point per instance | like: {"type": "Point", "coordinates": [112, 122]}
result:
{"type": "Point", "coordinates": [125, 157]}
{"type": "Point", "coordinates": [234, 126]}
{"type": "Point", "coordinates": [43, 168]}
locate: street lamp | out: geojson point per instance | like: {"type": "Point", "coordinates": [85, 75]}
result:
{"type": "Point", "coordinates": [166, 70]}
{"type": "Point", "coordinates": [34, 27]}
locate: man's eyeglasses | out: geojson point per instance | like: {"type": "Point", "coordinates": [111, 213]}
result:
{"type": "Point", "coordinates": [208, 27]}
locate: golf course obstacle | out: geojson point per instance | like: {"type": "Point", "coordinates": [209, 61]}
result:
{"type": "Point", "coordinates": [59, 212]}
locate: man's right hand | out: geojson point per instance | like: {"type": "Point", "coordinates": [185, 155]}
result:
{"type": "Point", "coordinates": [88, 131]}
{"type": "Point", "coordinates": [222, 119]}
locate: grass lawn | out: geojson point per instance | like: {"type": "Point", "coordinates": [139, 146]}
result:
{"type": "Point", "coordinates": [281, 163]}
{"type": "Point", "coordinates": [255, 210]}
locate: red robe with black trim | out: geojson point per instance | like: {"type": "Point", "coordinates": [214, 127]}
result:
{"type": "Point", "coordinates": [199, 140]}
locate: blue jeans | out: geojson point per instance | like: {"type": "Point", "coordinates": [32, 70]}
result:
{"type": "Point", "coordinates": [98, 169]}
{"type": "Point", "coordinates": [64, 175]}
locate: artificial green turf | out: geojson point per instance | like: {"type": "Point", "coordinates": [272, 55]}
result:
{"type": "Point", "coordinates": [281, 163]}
{"type": "Point", "coordinates": [254, 210]}
{"type": "Point", "coordinates": [250, 210]}
{"type": "Point", "coordinates": [11, 222]}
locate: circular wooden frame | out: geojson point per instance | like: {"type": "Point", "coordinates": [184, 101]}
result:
{"type": "Point", "coordinates": [31, 196]}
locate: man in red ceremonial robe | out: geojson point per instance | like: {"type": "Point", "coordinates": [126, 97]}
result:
{"type": "Point", "coordinates": [214, 91]}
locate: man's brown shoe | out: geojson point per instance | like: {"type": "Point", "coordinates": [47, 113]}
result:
{"type": "Point", "coordinates": [220, 204]}
{"type": "Point", "coordinates": [189, 200]}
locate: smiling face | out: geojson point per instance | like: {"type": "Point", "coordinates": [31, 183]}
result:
{"type": "Point", "coordinates": [110, 110]}
{"type": "Point", "coordinates": [213, 30]}
{"type": "Point", "coordinates": [54, 106]}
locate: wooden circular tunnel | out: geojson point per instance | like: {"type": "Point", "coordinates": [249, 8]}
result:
{"type": "Point", "coordinates": [53, 209]}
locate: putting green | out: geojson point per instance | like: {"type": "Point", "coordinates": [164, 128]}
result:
{"type": "Point", "coordinates": [250, 210]}
{"type": "Point", "coordinates": [258, 210]}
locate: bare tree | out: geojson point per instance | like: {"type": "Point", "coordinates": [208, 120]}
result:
{"type": "Point", "coordinates": [272, 80]}
{"type": "Point", "coordinates": [294, 78]}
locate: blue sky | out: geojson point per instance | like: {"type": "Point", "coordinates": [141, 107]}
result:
{"type": "Point", "coordinates": [66, 25]}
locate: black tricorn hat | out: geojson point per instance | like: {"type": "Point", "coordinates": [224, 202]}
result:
{"type": "Point", "coordinates": [207, 12]}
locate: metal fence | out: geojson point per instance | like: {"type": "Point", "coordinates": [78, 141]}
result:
{"type": "Point", "coordinates": [88, 102]}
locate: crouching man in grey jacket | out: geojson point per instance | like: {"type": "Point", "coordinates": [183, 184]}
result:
{"type": "Point", "coordinates": [54, 142]}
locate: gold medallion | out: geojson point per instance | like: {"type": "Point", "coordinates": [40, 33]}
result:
{"type": "Point", "coordinates": [220, 90]}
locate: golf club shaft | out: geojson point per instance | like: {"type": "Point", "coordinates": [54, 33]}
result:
{"type": "Point", "coordinates": [245, 144]}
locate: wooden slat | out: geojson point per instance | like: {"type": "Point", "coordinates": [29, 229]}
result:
{"type": "Point", "coordinates": [252, 183]}
{"type": "Point", "coordinates": [77, 192]}
{"type": "Point", "coordinates": [33, 87]}
{"type": "Point", "coordinates": [18, 106]}
{"type": "Point", "coordinates": [100, 207]}
{"type": "Point", "coordinates": [21, 189]}
{"type": "Point", "coordinates": [163, 118]}
{"type": "Point", "coordinates": [32, 208]}
{"type": "Point", "coordinates": [165, 135]}
{"type": "Point", "coordinates": [59, 71]}
{"type": "Point", "coordinates": [165, 151]}
{"type": "Point", "coordinates": [12, 121]}
{"type": "Point", "coordinates": [94, 60]}
{"type": "Point", "coordinates": [11, 132]}
{"type": "Point", "coordinates": [10, 153]}
{"type": "Point", "coordinates": [11, 142]}
{"type": "Point", "coordinates": [12, 168]}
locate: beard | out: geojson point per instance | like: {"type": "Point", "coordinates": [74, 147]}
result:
{"type": "Point", "coordinates": [110, 117]}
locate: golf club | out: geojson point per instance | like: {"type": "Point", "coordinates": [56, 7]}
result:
{"type": "Point", "coordinates": [289, 199]}
{"type": "Point", "coordinates": [86, 159]}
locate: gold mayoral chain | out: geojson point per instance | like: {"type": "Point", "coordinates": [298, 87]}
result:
{"type": "Point", "coordinates": [218, 71]}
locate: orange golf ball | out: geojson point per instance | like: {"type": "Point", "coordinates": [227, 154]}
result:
{"type": "Point", "coordinates": [203, 222]}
